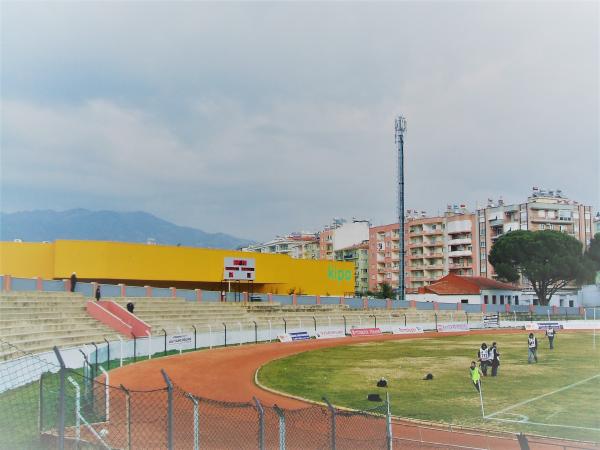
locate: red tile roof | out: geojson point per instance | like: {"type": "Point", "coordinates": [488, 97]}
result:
{"type": "Point", "coordinates": [457, 285]}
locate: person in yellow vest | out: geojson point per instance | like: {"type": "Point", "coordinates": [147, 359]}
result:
{"type": "Point", "coordinates": [475, 373]}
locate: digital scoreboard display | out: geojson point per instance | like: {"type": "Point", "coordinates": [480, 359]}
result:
{"type": "Point", "coordinates": [239, 269]}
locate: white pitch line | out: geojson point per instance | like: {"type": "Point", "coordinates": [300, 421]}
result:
{"type": "Point", "coordinates": [541, 396]}
{"type": "Point", "coordinates": [543, 424]}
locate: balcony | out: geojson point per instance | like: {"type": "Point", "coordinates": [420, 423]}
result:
{"type": "Point", "coordinates": [433, 232]}
{"type": "Point", "coordinates": [462, 241]}
{"type": "Point", "coordinates": [460, 253]}
{"type": "Point", "coordinates": [460, 266]}
{"type": "Point", "coordinates": [433, 255]}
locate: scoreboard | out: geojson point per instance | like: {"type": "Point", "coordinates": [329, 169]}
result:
{"type": "Point", "coordinates": [239, 269]}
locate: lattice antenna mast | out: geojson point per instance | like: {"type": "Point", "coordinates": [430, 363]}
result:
{"type": "Point", "coordinates": [400, 130]}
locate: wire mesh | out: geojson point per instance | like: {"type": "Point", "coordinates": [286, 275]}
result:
{"type": "Point", "coordinates": [20, 415]}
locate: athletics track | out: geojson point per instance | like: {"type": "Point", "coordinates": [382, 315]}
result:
{"type": "Point", "coordinates": [228, 374]}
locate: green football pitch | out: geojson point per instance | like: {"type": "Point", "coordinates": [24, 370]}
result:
{"type": "Point", "coordinates": [558, 396]}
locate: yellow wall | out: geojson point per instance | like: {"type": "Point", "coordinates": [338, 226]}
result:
{"type": "Point", "coordinates": [27, 260]}
{"type": "Point", "coordinates": [96, 260]}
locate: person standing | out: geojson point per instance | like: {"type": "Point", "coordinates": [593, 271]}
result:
{"type": "Point", "coordinates": [475, 374]}
{"type": "Point", "coordinates": [495, 356]}
{"type": "Point", "coordinates": [550, 333]}
{"type": "Point", "coordinates": [484, 358]}
{"type": "Point", "coordinates": [532, 345]}
{"type": "Point", "coordinates": [73, 281]}
{"type": "Point", "coordinates": [98, 294]}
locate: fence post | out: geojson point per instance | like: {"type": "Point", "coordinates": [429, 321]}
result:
{"type": "Point", "coordinates": [165, 340]}
{"type": "Point", "coordinates": [127, 416]}
{"type": "Point", "coordinates": [279, 412]}
{"type": "Point", "coordinates": [255, 332]}
{"type": "Point", "coordinates": [196, 421]}
{"type": "Point", "coordinates": [169, 409]}
{"type": "Point", "coordinates": [436, 321]}
{"type": "Point", "coordinates": [107, 353]}
{"type": "Point", "coordinates": [61, 400]}
{"type": "Point", "coordinates": [261, 424]}
{"type": "Point", "coordinates": [106, 393]}
{"type": "Point", "coordinates": [225, 328]}
{"type": "Point", "coordinates": [344, 324]}
{"type": "Point", "coordinates": [333, 432]}
{"type": "Point", "coordinates": [390, 436]}
{"type": "Point", "coordinates": [41, 405]}
{"type": "Point", "coordinates": [77, 411]}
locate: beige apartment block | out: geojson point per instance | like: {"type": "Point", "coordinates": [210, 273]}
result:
{"type": "Point", "coordinates": [435, 247]}
{"type": "Point", "coordinates": [544, 210]}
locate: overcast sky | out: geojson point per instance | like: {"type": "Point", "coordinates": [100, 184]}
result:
{"type": "Point", "coordinates": [258, 119]}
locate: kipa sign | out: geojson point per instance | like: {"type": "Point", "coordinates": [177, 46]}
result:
{"type": "Point", "coordinates": [338, 275]}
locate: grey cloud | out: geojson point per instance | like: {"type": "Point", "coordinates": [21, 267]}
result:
{"type": "Point", "coordinates": [259, 119]}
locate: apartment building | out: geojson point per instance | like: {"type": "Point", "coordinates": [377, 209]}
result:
{"type": "Point", "coordinates": [434, 247]}
{"type": "Point", "coordinates": [359, 255]}
{"type": "Point", "coordinates": [297, 245]}
{"type": "Point", "coordinates": [543, 210]}
{"type": "Point", "coordinates": [342, 234]}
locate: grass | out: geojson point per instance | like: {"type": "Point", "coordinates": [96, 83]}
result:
{"type": "Point", "coordinates": [20, 407]}
{"type": "Point", "coordinates": [345, 375]}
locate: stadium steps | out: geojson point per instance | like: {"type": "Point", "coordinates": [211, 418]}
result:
{"type": "Point", "coordinates": [37, 321]}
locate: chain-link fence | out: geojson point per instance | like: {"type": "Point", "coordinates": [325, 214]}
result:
{"type": "Point", "coordinates": [45, 405]}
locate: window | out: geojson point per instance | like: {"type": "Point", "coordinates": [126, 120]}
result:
{"type": "Point", "coordinates": [464, 300]}
{"type": "Point", "coordinates": [571, 304]}
{"type": "Point", "coordinates": [502, 299]}
{"type": "Point", "coordinates": [551, 214]}
{"type": "Point", "coordinates": [516, 299]}
{"type": "Point", "coordinates": [485, 299]}
{"type": "Point", "coordinates": [542, 226]}
{"type": "Point", "coordinates": [541, 213]}
{"type": "Point", "coordinates": [493, 299]}
{"type": "Point", "coordinates": [550, 226]}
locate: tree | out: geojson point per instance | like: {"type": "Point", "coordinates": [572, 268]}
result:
{"type": "Point", "coordinates": [593, 252]}
{"type": "Point", "coordinates": [548, 259]}
{"type": "Point", "coordinates": [593, 257]}
{"type": "Point", "coordinates": [385, 291]}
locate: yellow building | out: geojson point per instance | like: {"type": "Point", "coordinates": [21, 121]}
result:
{"type": "Point", "coordinates": [166, 266]}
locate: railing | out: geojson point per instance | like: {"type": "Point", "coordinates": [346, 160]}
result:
{"type": "Point", "coordinates": [201, 296]}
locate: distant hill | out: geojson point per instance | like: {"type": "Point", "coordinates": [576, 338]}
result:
{"type": "Point", "coordinates": [82, 224]}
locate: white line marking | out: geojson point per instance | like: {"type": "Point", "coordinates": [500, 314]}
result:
{"type": "Point", "coordinates": [543, 424]}
{"type": "Point", "coordinates": [541, 396]}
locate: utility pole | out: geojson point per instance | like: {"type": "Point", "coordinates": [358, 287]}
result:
{"type": "Point", "coordinates": [400, 130]}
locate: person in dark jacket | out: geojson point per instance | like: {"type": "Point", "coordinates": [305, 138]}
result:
{"type": "Point", "coordinates": [483, 355]}
{"type": "Point", "coordinates": [73, 281]}
{"type": "Point", "coordinates": [98, 294]}
{"type": "Point", "coordinates": [495, 354]}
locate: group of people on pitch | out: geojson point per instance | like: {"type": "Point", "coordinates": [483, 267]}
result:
{"type": "Point", "coordinates": [490, 357]}
{"type": "Point", "coordinates": [487, 357]}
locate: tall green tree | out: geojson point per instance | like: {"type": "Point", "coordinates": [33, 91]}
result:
{"type": "Point", "coordinates": [385, 291]}
{"type": "Point", "coordinates": [548, 259]}
{"type": "Point", "coordinates": [593, 252]}
{"type": "Point", "coordinates": [593, 256]}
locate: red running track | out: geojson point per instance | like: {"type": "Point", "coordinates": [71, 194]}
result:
{"type": "Point", "coordinates": [227, 374]}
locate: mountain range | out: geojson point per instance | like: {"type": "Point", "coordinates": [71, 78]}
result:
{"type": "Point", "coordinates": [83, 224]}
